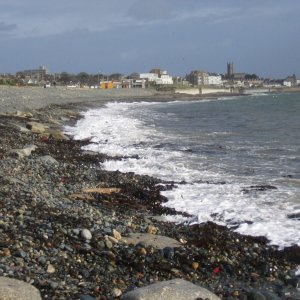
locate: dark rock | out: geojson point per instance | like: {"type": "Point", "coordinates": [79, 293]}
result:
{"type": "Point", "coordinates": [292, 253]}
{"type": "Point", "coordinates": [295, 216]}
{"type": "Point", "coordinates": [84, 272]}
{"type": "Point", "coordinates": [42, 260]}
{"type": "Point", "coordinates": [270, 296]}
{"type": "Point", "coordinates": [292, 281]}
{"type": "Point", "coordinates": [255, 295]}
{"type": "Point", "coordinates": [168, 252]}
{"type": "Point", "coordinates": [259, 188]}
{"type": "Point", "coordinates": [21, 254]}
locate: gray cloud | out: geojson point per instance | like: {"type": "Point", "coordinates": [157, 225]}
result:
{"type": "Point", "coordinates": [136, 35]}
{"type": "Point", "coordinates": [39, 18]}
{"type": "Point", "coordinates": [151, 10]}
{"type": "Point", "coordinates": [5, 28]}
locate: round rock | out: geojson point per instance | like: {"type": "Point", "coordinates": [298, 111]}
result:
{"type": "Point", "coordinates": [176, 289]}
{"type": "Point", "coordinates": [86, 234]}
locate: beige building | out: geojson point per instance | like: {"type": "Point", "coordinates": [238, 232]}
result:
{"type": "Point", "coordinates": [38, 75]}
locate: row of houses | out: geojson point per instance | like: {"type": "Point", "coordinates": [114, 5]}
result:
{"type": "Point", "coordinates": [204, 78]}
{"type": "Point", "coordinates": [155, 77]}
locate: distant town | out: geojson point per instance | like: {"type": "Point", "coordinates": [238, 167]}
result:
{"type": "Point", "coordinates": [197, 81]}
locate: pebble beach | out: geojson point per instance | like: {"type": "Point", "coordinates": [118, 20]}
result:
{"type": "Point", "coordinates": [71, 230]}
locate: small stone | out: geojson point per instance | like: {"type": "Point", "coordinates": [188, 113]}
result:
{"type": "Point", "coordinates": [21, 254]}
{"type": "Point", "coordinates": [236, 294]}
{"type": "Point", "coordinates": [195, 265]}
{"type": "Point", "coordinates": [108, 244]}
{"type": "Point", "coordinates": [50, 269]}
{"type": "Point", "coordinates": [107, 230]}
{"type": "Point", "coordinates": [100, 244]}
{"type": "Point", "coordinates": [53, 285]}
{"type": "Point", "coordinates": [86, 234]}
{"type": "Point", "coordinates": [6, 252]}
{"type": "Point", "coordinates": [151, 229]}
{"type": "Point", "coordinates": [116, 292]}
{"type": "Point", "coordinates": [116, 234]}
{"type": "Point", "coordinates": [113, 240]}
{"type": "Point", "coordinates": [142, 251]}
{"type": "Point", "coordinates": [76, 231]}
{"type": "Point", "coordinates": [42, 260]}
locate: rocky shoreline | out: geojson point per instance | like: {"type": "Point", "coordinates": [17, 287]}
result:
{"type": "Point", "coordinates": [75, 231]}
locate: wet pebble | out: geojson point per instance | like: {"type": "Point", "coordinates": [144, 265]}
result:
{"type": "Point", "coordinates": [86, 234]}
{"type": "Point", "coordinates": [50, 269]}
{"type": "Point", "coordinates": [168, 252]}
{"type": "Point", "coordinates": [116, 292]}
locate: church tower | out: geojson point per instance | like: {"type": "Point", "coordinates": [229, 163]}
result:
{"type": "Point", "coordinates": [230, 70]}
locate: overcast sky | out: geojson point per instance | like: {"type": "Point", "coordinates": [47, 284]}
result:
{"type": "Point", "coordinates": [259, 36]}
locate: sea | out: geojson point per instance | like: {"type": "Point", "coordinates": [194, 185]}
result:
{"type": "Point", "coordinates": [235, 160]}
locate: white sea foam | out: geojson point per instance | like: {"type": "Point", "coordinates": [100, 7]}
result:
{"type": "Point", "coordinates": [209, 193]}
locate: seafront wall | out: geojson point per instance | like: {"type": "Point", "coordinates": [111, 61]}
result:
{"type": "Point", "coordinates": [208, 90]}
{"type": "Point", "coordinates": [191, 91]}
{"type": "Point", "coordinates": [204, 91]}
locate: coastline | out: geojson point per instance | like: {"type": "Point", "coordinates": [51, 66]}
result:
{"type": "Point", "coordinates": [51, 196]}
{"type": "Point", "coordinates": [29, 98]}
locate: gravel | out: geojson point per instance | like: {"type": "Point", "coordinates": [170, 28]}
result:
{"type": "Point", "coordinates": [28, 98]}
{"type": "Point", "coordinates": [64, 222]}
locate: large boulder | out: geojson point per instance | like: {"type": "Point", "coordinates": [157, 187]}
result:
{"type": "Point", "coordinates": [154, 240]}
{"type": "Point", "coordinates": [12, 289]}
{"type": "Point", "coordinates": [36, 127]}
{"type": "Point", "coordinates": [56, 134]}
{"type": "Point", "coordinates": [21, 153]}
{"type": "Point", "coordinates": [176, 289]}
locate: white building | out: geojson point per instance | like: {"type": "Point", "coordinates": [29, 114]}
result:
{"type": "Point", "coordinates": [214, 79]}
{"type": "Point", "coordinates": [162, 78]}
{"type": "Point", "coordinates": [150, 76]}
